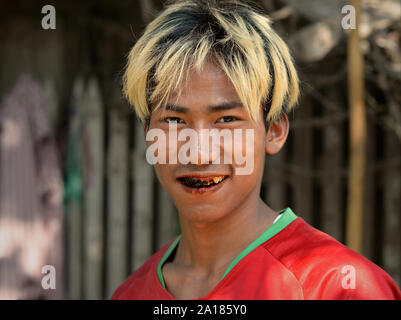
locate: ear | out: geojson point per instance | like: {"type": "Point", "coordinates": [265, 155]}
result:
{"type": "Point", "coordinates": [277, 135]}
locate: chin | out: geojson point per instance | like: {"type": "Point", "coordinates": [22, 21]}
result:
{"type": "Point", "coordinates": [203, 213]}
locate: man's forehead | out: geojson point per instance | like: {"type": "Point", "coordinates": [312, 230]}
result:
{"type": "Point", "coordinates": [229, 105]}
{"type": "Point", "coordinates": [208, 87]}
{"type": "Point", "coordinates": [208, 74]}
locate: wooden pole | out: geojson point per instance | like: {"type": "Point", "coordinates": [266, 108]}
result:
{"type": "Point", "coordinates": [357, 136]}
{"type": "Point", "coordinates": [117, 211]}
{"type": "Point", "coordinates": [143, 185]}
{"type": "Point", "coordinates": [93, 200]}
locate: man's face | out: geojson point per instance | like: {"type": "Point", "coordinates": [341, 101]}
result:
{"type": "Point", "coordinates": [206, 191]}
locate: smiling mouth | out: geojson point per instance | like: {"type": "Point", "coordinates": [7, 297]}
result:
{"type": "Point", "coordinates": [207, 182]}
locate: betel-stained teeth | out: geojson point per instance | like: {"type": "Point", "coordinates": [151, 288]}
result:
{"type": "Point", "coordinates": [202, 182]}
{"type": "Point", "coordinates": [218, 179]}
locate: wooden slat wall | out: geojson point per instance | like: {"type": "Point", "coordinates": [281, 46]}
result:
{"type": "Point", "coordinates": [74, 210]}
{"type": "Point", "coordinates": [370, 185]}
{"type": "Point", "coordinates": [309, 175]}
{"type": "Point", "coordinates": [140, 216]}
{"type": "Point", "coordinates": [392, 209]}
{"type": "Point", "coordinates": [124, 215]}
{"type": "Point", "coordinates": [302, 180]}
{"type": "Point", "coordinates": [330, 184]}
{"type": "Point", "coordinates": [117, 205]}
{"type": "Point", "coordinates": [108, 238]}
{"type": "Point", "coordinates": [94, 194]}
{"type": "Point", "coordinates": [143, 201]}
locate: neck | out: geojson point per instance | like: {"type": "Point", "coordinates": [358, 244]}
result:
{"type": "Point", "coordinates": [210, 247]}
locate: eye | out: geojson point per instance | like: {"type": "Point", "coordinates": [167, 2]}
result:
{"type": "Point", "coordinates": [227, 119]}
{"type": "Point", "coordinates": [173, 120]}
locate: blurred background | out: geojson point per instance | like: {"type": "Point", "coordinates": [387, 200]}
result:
{"type": "Point", "coordinates": [76, 191]}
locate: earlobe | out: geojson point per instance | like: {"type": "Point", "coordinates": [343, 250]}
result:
{"type": "Point", "coordinates": [277, 135]}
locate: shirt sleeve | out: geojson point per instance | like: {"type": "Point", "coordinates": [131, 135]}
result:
{"type": "Point", "coordinates": [352, 277]}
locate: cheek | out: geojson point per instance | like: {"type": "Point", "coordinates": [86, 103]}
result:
{"type": "Point", "coordinates": [249, 151]}
{"type": "Point", "coordinates": [260, 144]}
{"type": "Point", "coordinates": [162, 173]}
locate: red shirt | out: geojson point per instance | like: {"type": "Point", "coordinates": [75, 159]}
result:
{"type": "Point", "coordinates": [290, 260]}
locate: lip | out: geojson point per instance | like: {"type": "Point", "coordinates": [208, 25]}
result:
{"type": "Point", "coordinates": [202, 175]}
{"type": "Point", "coordinates": [203, 191]}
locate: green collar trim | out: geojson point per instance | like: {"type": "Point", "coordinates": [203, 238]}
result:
{"type": "Point", "coordinates": [286, 218]}
{"type": "Point", "coordinates": [165, 257]}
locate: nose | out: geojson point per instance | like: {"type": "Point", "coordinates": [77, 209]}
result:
{"type": "Point", "coordinates": [207, 151]}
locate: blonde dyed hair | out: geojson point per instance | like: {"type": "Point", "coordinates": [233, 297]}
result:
{"type": "Point", "coordinates": [190, 32]}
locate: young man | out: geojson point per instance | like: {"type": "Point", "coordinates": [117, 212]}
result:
{"type": "Point", "coordinates": [218, 65]}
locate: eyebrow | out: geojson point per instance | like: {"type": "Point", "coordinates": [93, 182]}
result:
{"type": "Point", "coordinates": [213, 108]}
